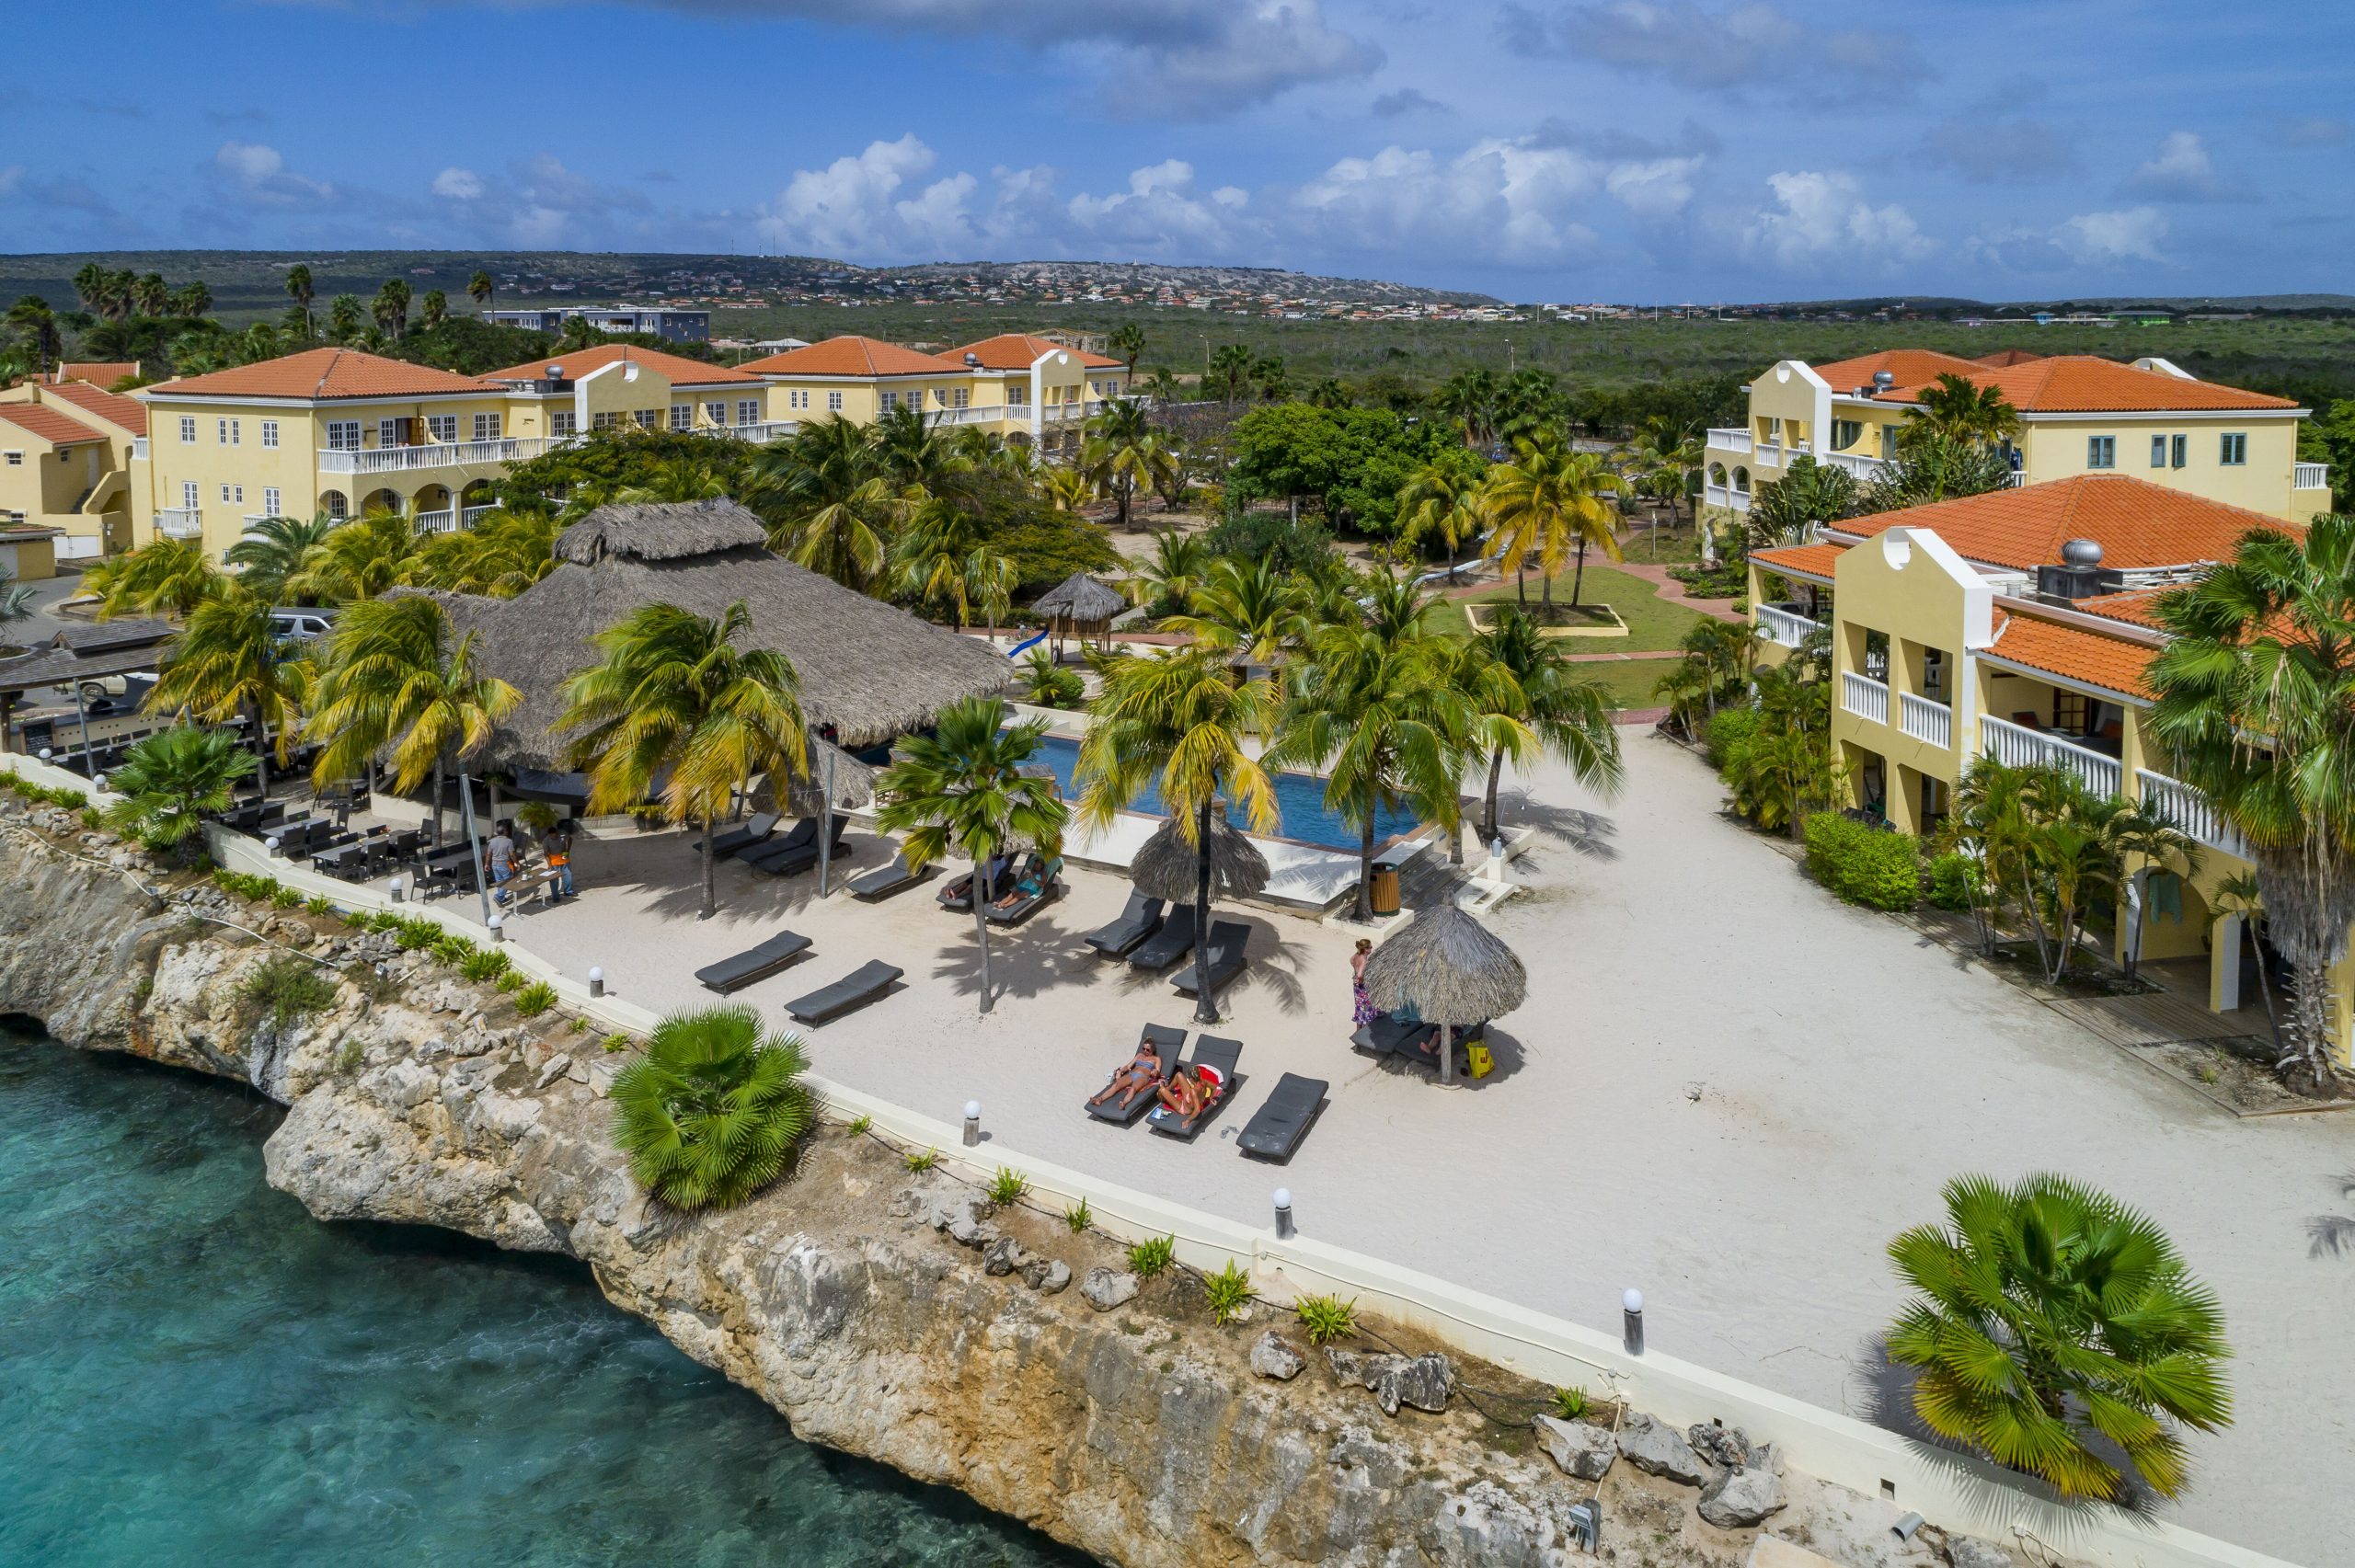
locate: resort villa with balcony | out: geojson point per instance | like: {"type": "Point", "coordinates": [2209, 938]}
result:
{"type": "Point", "coordinates": [2079, 414]}
{"type": "Point", "coordinates": [2019, 625]}
{"type": "Point", "coordinates": [1011, 384]}
{"type": "Point", "coordinates": [66, 478]}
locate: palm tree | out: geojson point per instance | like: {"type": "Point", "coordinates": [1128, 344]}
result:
{"type": "Point", "coordinates": [1268, 375]}
{"type": "Point", "coordinates": [1178, 724]}
{"type": "Point", "coordinates": [1550, 502]}
{"type": "Point", "coordinates": [1329, 392]}
{"type": "Point", "coordinates": [100, 289]}
{"type": "Point", "coordinates": [150, 295]}
{"type": "Point", "coordinates": [37, 325]}
{"type": "Point", "coordinates": [390, 308]}
{"type": "Point", "coordinates": [1662, 459]}
{"type": "Point", "coordinates": [2238, 895]}
{"type": "Point", "coordinates": [231, 663]}
{"type": "Point", "coordinates": [357, 560]}
{"type": "Point", "coordinates": [164, 576]}
{"type": "Point", "coordinates": [1529, 406]}
{"type": "Point", "coordinates": [434, 309]}
{"type": "Point", "coordinates": [1469, 397]}
{"type": "Point", "coordinates": [674, 479]}
{"type": "Point", "coordinates": [715, 1110]}
{"type": "Point", "coordinates": [946, 556]}
{"type": "Point", "coordinates": [1935, 466]}
{"type": "Point", "coordinates": [1122, 450]}
{"type": "Point", "coordinates": [672, 695]}
{"type": "Point", "coordinates": [17, 602]}
{"type": "Point", "coordinates": [1128, 342]}
{"type": "Point", "coordinates": [507, 552]}
{"type": "Point", "coordinates": [1786, 510]}
{"type": "Point", "coordinates": [274, 549]}
{"type": "Point", "coordinates": [299, 289]}
{"type": "Point", "coordinates": [1249, 612]}
{"type": "Point", "coordinates": [2048, 1313]}
{"type": "Point", "coordinates": [191, 299]}
{"type": "Point", "coordinates": [171, 780]}
{"type": "Point", "coordinates": [391, 677]}
{"type": "Point", "coordinates": [1528, 700]}
{"type": "Point", "coordinates": [344, 316]}
{"type": "Point", "coordinates": [1229, 372]}
{"type": "Point", "coordinates": [1445, 500]}
{"type": "Point", "coordinates": [962, 789]}
{"type": "Point", "coordinates": [836, 510]}
{"type": "Point", "coordinates": [1066, 490]}
{"type": "Point", "coordinates": [480, 289]}
{"type": "Point", "coordinates": [1962, 409]}
{"type": "Point", "coordinates": [1166, 582]}
{"type": "Point", "coordinates": [2256, 707]}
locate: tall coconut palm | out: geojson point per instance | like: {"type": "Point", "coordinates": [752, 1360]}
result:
{"type": "Point", "coordinates": [1469, 397]}
{"type": "Point", "coordinates": [391, 677]}
{"type": "Point", "coordinates": [1229, 372]}
{"type": "Point", "coordinates": [944, 557]}
{"type": "Point", "coordinates": [1128, 342]}
{"type": "Point", "coordinates": [231, 662]}
{"type": "Point", "coordinates": [480, 289]}
{"type": "Point", "coordinates": [2048, 1316]}
{"type": "Point", "coordinates": [390, 308]}
{"type": "Point", "coordinates": [507, 552]}
{"type": "Point", "coordinates": [191, 299]}
{"type": "Point", "coordinates": [150, 295]}
{"type": "Point", "coordinates": [171, 780]}
{"type": "Point", "coordinates": [1250, 612]}
{"type": "Point", "coordinates": [1066, 490]}
{"type": "Point", "coordinates": [433, 309]}
{"type": "Point", "coordinates": [1444, 500]}
{"type": "Point", "coordinates": [1528, 700]}
{"type": "Point", "coordinates": [1529, 406]}
{"type": "Point", "coordinates": [1123, 452]}
{"type": "Point", "coordinates": [1178, 724]}
{"type": "Point", "coordinates": [359, 559]}
{"type": "Point", "coordinates": [1549, 503]}
{"type": "Point", "coordinates": [272, 549]}
{"type": "Point", "coordinates": [2256, 707]}
{"type": "Point", "coordinates": [715, 1110]}
{"type": "Point", "coordinates": [164, 576]}
{"type": "Point", "coordinates": [962, 789]}
{"type": "Point", "coordinates": [673, 700]}
{"type": "Point", "coordinates": [1958, 408]}
{"type": "Point", "coordinates": [344, 316]}
{"type": "Point", "coordinates": [300, 289]}
{"type": "Point", "coordinates": [36, 324]}
{"type": "Point", "coordinates": [1168, 580]}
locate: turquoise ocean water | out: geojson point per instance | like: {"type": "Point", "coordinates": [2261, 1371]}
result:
{"type": "Point", "coordinates": [193, 1370]}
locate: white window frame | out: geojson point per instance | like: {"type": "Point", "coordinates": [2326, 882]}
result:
{"type": "Point", "coordinates": [189, 496]}
{"type": "Point", "coordinates": [344, 435]}
{"type": "Point", "coordinates": [272, 503]}
{"type": "Point", "coordinates": [392, 433]}
{"type": "Point", "coordinates": [563, 422]}
{"type": "Point", "coordinates": [224, 432]}
{"type": "Point", "coordinates": [269, 433]}
{"type": "Point", "coordinates": [683, 416]}
{"type": "Point", "coordinates": [2232, 449]}
{"type": "Point", "coordinates": [487, 426]}
{"type": "Point", "coordinates": [715, 413]}
{"type": "Point", "coordinates": [798, 397]}
{"type": "Point", "coordinates": [16, 460]}
{"type": "Point", "coordinates": [335, 503]}
{"type": "Point", "coordinates": [442, 428]}
{"type": "Point", "coordinates": [834, 403]}
{"type": "Point", "coordinates": [647, 419]}
{"type": "Point", "coordinates": [748, 411]}
{"type": "Point", "coordinates": [962, 397]}
{"type": "Point", "coordinates": [888, 401]}
{"type": "Point", "coordinates": [2101, 451]}
{"type": "Point", "coordinates": [606, 420]}
{"type": "Point", "coordinates": [188, 429]}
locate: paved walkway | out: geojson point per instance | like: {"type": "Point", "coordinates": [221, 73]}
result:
{"type": "Point", "coordinates": [1726, 1088]}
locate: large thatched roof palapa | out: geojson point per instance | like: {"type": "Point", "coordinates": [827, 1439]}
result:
{"type": "Point", "coordinates": [1081, 599]}
{"type": "Point", "coordinates": [868, 669]}
{"type": "Point", "coordinates": [1166, 866]}
{"type": "Point", "coordinates": [1452, 969]}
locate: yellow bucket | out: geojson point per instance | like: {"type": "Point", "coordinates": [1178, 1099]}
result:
{"type": "Point", "coordinates": [1482, 1063]}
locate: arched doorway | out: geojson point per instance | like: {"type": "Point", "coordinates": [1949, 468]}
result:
{"type": "Point", "coordinates": [336, 504]}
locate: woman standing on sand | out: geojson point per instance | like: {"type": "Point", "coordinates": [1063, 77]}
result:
{"type": "Point", "coordinates": [1360, 999]}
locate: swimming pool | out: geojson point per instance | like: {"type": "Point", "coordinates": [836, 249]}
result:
{"type": "Point", "coordinates": [1300, 802]}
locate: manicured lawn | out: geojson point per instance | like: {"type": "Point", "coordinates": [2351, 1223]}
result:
{"type": "Point", "coordinates": [1629, 682]}
{"type": "Point", "coordinates": [1652, 624]}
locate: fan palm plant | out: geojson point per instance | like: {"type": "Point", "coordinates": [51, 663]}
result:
{"type": "Point", "coordinates": [2047, 1314]}
{"type": "Point", "coordinates": [674, 694]}
{"type": "Point", "coordinates": [962, 789]}
{"type": "Point", "coordinates": [1128, 342]}
{"type": "Point", "coordinates": [272, 551]}
{"type": "Point", "coordinates": [390, 308]}
{"type": "Point", "coordinates": [1121, 453]}
{"type": "Point", "coordinates": [946, 557]}
{"type": "Point", "coordinates": [1549, 503]}
{"type": "Point", "coordinates": [16, 603]}
{"type": "Point", "coordinates": [1809, 493]}
{"type": "Point", "coordinates": [231, 662]}
{"type": "Point", "coordinates": [1528, 700]}
{"type": "Point", "coordinates": [715, 1110]}
{"type": "Point", "coordinates": [2256, 707]}
{"type": "Point", "coordinates": [481, 289]}
{"type": "Point", "coordinates": [1469, 397]}
{"type": "Point", "coordinates": [392, 679]}
{"type": "Point", "coordinates": [1955, 407]}
{"type": "Point", "coordinates": [171, 780]}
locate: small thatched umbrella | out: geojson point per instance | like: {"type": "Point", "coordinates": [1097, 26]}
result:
{"type": "Point", "coordinates": [1224, 862]}
{"type": "Point", "coordinates": [833, 780]}
{"type": "Point", "coordinates": [1453, 970]}
{"type": "Point", "coordinates": [1080, 606]}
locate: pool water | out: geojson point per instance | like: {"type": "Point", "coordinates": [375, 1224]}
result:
{"type": "Point", "coordinates": [193, 1370]}
{"type": "Point", "coordinates": [1300, 802]}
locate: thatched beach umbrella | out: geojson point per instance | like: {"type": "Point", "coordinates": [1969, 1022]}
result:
{"type": "Point", "coordinates": [1223, 864]}
{"type": "Point", "coordinates": [1080, 606]}
{"type": "Point", "coordinates": [1453, 970]}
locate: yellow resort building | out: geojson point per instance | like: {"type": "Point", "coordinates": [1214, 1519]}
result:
{"type": "Point", "coordinates": [2018, 626]}
{"type": "Point", "coordinates": [1011, 384]}
{"type": "Point", "coordinates": [2079, 414]}
{"type": "Point", "coordinates": [66, 470]}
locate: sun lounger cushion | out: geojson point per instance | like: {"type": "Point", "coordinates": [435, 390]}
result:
{"type": "Point", "coordinates": [791, 860]}
{"type": "Point", "coordinates": [883, 879]}
{"type": "Point", "coordinates": [1389, 1034]}
{"type": "Point", "coordinates": [754, 963]}
{"type": "Point", "coordinates": [857, 989]}
{"type": "Point", "coordinates": [753, 833]}
{"type": "Point", "coordinates": [804, 833]}
{"type": "Point", "coordinates": [1169, 944]}
{"type": "Point", "coordinates": [1228, 939]}
{"type": "Point", "coordinates": [1218, 1056]}
{"type": "Point", "coordinates": [958, 892]}
{"type": "Point", "coordinates": [1044, 882]}
{"type": "Point", "coordinates": [1139, 920]}
{"type": "Point", "coordinates": [1277, 1128]}
{"type": "Point", "coordinates": [1166, 1042]}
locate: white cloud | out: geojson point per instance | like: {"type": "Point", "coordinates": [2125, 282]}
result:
{"type": "Point", "coordinates": [1733, 46]}
{"type": "Point", "coordinates": [2182, 171]}
{"type": "Point", "coordinates": [2131, 235]}
{"type": "Point", "coordinates": [1824, 216]}
{"type": "Point", "coordinates": [540, 204]}
{"type": "Point", "coordinates": [1517, 201]}
{"type": "Point", "coordinates": [1163, 214]}
{"type": "Point", "coordinates": [259, 173]}
{"type": "Point", "coordinates": [458, 184]}
{"type": "Point", "coordinates": [1660, 187]}
{"type": "Point", "coordinates": [854, 206]}
{"type": "Point", "coordinates": [1407, 100]}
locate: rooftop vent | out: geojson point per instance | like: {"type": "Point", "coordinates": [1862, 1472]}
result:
{"type": "Point", "coordinates": [974, 361]}
{"type": "Point", "coordinates": [2080, 574]}
{"type": "Point", "coordinates": [2082, 553]}
{"type": "Point", "coordinates": [1883, 380]}
{"type": "Point", "coordinates": [555, 373]}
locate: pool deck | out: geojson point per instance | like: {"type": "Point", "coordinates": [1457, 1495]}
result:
{"type": "Point", "coordinates": [1726, 1088]}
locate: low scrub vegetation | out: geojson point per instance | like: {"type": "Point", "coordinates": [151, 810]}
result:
{"type": "Point", "coordinates": [1863, 863]}
{"type": "Point", "coordinates": [286, 988]}
{"type": "Point", "coordinates": [715, 1110]}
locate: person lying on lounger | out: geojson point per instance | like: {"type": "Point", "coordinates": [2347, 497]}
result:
{"type": "Point", "coordinates": [1187, 1096]}
{"type": "Point", "coordinates": [963, 887]}
{"type": "Point", "coordinates": [1034, 879]}
{"type": "Point", "coordinates": [1142, 1073]}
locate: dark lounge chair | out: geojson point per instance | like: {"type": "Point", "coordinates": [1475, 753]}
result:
{"type": "Point", "coordinates": [1219, 1056]}
{"type": "Point", "coordinates": [1167, 1043]}
{"type": "Point", "coordinates": [1228, 939]}
{"type": "Point", "coordinates": [1171, 943]}
{"type": "Point", "coordinates": [795, 859]}
{"type": "Point", "coordinates": [883, 880]}
{"type": "Point", "coordinates": [956, 894]}
{"type": "Point", "coordinates": [753, 833]}
{"type": "Point", "coordinates": [1044, 882]}
{"type": "Point", "coordinates": [1390, 1034]}
{"type": "Point", "coordinates": [1139, 920]}
{"type": "Point", "coordinates": [805, 833]}
{"type": "Point", "coordinates": [1276, 1128]}
{"type": "Point", "coordinates": [755, 963]}
{"type": "Point", "coordinates": [857, 989]}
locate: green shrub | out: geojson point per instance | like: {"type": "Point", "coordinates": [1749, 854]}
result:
{"type": "Point", "coordinates": [1229, 1292]}
{"type": "Point", "coordinates": [1078, 1218]}
{"type": "Point", "coordinates": [287, 988]}
{"type": "Point", "coordinates": [1864, 864]}
{"type": "Point", "coordinates": [415, 932]}
{"type": "Point", "coordinates": [452, 948]}
{"type": "Point", "coordinates": [1954, 879]}
{"type": "Point", "coordinates": [1326, 1318]}
{"type": "Point", "coordinates": [319, 904]}
{"type": "Point", "coordinates": [1728, 729]}
{"type": "Point", "coordinates": [1570, 1405]}
{"type": "Point", "coordinates": [715, 1109]}
{"type": "Point", "coordinates": [616, 1041]}
{"type": "Point", "coordinates": [484, 963]}
{"type": "Point", "coordinates": [535, 999]}
{"type": "Point", "coordinates": [1007, 1187]}
{"type": "Point", "coordinates": [509, 982]}
{"type": "Point", "coordinates": [922, 1159]}
{"type": "Point", "coordinates": [284, 898]}
{"type": "Point", "coordinates": [43, 794]}
{"type": "Point", "coordinates": [1152, 1256]}
{"type": "Point", "coordinates": [860, 1125]}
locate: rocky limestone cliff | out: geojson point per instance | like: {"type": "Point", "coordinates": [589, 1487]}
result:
{"type": "Point", "coordinates": [856, 1298]}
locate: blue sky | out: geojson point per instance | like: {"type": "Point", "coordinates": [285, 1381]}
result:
{"type": "Point", "coordinates": [1660, 149]}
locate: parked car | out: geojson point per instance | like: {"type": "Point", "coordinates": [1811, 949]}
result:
{"type": "Point", "coordinates": [303, 625]}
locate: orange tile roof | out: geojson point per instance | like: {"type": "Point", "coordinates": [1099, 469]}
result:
{"type": "Point", "coordinates": [2087, 383]}
{"type": "Point", "coordinates": [127, 412]}
{"type": "Point", "coordinates": [1808, 560]}
{"type": "Point", "coordinates": [856, 358]}
{"type": "Point", "coordinates": [678, 368]}
{"type": "Point", "coordinates": [1020, 351]}
{"type": "Point", "coordinates": [2111, 663]}
{"type": "Point", "coordinates": [1912, 367]}
{"type": "Point", "coordinates": [50, 425]}
{"type": "Point", "coordinates": [2139, 607]}
{"type": "Point", "coordinates": [98, 372]}
{"type": "Point", "coordinates": [323, 373]}
{"type": "Point", "coordinates": [2003, 357]}
{"type": "Point", "coordinates": [2136, 523]}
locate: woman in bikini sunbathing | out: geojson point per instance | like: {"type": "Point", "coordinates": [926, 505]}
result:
{"type": "Point", "coordinates": [1142, 1073]}
{"type": "Point", "coordinates": [1186, 1096]}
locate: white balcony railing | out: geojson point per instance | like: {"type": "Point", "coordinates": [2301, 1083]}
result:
{"type": "Point", "coordinates": [1863, 466]}
{"type": "Point", "coordinates": [1730, 440]}
{"type": "Point", "coordinates": [470, 516]}
{"type": "Point", "coordinates": [2310, 476]}
{"type": "Point", "coordinates": [2017, 746]}
{"type": "Point", "coordinates": [139, 449]}
{"type": "Point", "coordinates": [2188, 809]}
{"type": "Point", "coordinates": [1925, 720]}
{"type": "Point", "coordinates": [180, 522]}
{"type": "Point", "coordinates": [437, 455]}
{"type": "Point", "coordinates": [1782, 627]}
{"type": "Point", "coordinates": [443, 521]}
{"type": "Point", "coordinates": [1768, 453]}
{"type": "Point", "coordinates": [1864, 696]}
{"type": "Point", "coordinates": [2015, 479]}
{"type": "Point", "coordinates": [760, 432]}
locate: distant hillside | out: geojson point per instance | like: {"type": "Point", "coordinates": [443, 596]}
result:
{"type": "Point", "coordinates": [1934, 304]}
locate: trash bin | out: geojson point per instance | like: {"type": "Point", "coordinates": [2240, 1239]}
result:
{"type": "Point", "coordinates": [1385, 891]}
